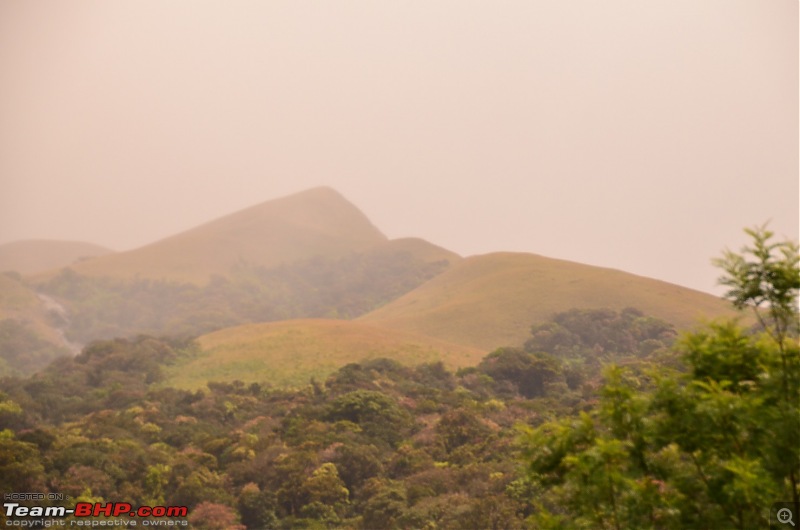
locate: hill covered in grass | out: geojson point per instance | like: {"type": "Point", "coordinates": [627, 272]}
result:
{"type": "Point", "coordinates": [316, 222]}
{"type": "Point", "coordinates": [309, 255]}
{"type": "Point", "coordinates": [293, 351]}
{"type": "Point", "coordinates": [314, 255]}
{"type": "Point", "coordinates": [40, 255]}
{"type": "Point", "coordinates": [491, 300]}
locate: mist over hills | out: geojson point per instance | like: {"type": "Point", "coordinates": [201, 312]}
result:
{"type": "Point", "coordinates": [30, 335]}
{"type": "Point", "coordinates": [39, 255]}
{"type": "Point", "coordinates": [314, 255]}
{"type": "Point", "coordinates": [311, 223]}
{"type": "Point", "coordinates": [20, 302]}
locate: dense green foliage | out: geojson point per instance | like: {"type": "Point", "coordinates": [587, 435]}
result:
{"type": "Point", "coordinates": [600, 335]}
{"type": "Point", "coordinates": [561, 352]}
{"type": "Point", "coordinates": [602, 419]}
{"type": "Point", "coordinates": [346, 287]}
{"type": "Point", "coordinates": [710, 445]}
{"type": "Point", "coordinates": [378, 445]}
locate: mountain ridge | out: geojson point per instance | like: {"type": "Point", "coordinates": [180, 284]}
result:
{"type": "Point", "coordinates": [268, 258]}
{"type": "Point", "coordinates": [319, 221]}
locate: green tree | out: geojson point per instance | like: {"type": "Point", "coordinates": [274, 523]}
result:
{"type": "Point", "coordinates": [386, 503]}
{"type": "Point", "coordinates": [213, 516]}
{"type": "Point", "coordinates": [530, 374]}
{"type": "Point", "coordinates": [765, 277]}
{"type": "Point", "coordinates": [711, 446]}
{"type": "Point", "coordinates": [377, 414]}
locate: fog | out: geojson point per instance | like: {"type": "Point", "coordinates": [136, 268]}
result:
{"type": "Point", "coordinates": [637, 135]}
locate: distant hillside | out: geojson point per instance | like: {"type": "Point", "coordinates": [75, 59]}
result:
{"type": "Point", "coordinates": [320, 287]}
{"type": "Point", "coordinates": [317, 222]}
{"type": "Point", "coordinates": [418, 248]}
{"type": "Point", "coordinates": [35, 256]}
{"type": "Point", "coordinates": [491, 300]}
{"type": "Point", "coordinates": [29, 336]}
{"type": "Point", "coordinates": [291, 352]}
{"type": "Point", "coordinates": [17, 300]}
{"type": "Point", "coordinates": [309, 255]}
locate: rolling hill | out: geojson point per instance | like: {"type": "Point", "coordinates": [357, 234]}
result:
{"type": "Point", "coordinates": [290, 352]}
{"type": "Point", "coordinates": [40, 255]}
{"type": "Point", "coordinates": [491, 300]}
{"type": "Point", "coordinates": [316, 222]}
{"type": "Point", "coordinates": [309, 255]}
{"type": "Point", "coordinates": [315, 255]}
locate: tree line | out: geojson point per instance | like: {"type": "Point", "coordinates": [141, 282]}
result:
{"type": "Point", "coordinates": [601, 419]}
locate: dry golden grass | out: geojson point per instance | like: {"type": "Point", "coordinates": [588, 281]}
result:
{"type": "Point", "coordinates": [289, 353]}
{"type": "Point", "coordinates": [491, 300]}
{"type": "Point", "coordinates": [35, 256]}
{"type": "Point", "coordinates": [311, 223]}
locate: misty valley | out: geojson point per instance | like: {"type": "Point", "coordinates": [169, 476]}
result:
{"type": "Point", "coordinates": [289, 366]}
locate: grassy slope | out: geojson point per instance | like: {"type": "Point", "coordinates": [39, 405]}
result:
{"type": "Point", "coordinates": [491, 300]}
{"type": "Point", "coordinates": [35, 256]}
{"type": "Point", "coordinates": [314, 222]}
{"type": "Point", "coordinates": [290, 352]}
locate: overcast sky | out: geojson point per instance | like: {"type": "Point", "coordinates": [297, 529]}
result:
{"type": "Point", "coordinates": [636, 134]}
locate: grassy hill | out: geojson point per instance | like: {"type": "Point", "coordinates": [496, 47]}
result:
{"type": "Point", "coordinates": [291, 352]}
{"type": "Point", "coordinates": [316, 222]}
{"type": "Point", "coordinates": [309, 255]}
{"type": "Point", "coordinates": [491, 300]}
{"type": "Point", "coordinates": [35, 256]}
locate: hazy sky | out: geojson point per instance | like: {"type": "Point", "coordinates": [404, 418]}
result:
{"type": "Point", "coordinates": [636, 134]}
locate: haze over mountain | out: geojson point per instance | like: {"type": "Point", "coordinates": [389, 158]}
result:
{"type": "Point", "coordinates": [17, 301]}
{"type": "Point", "coordinates": [316, 255]}
{"type": "Point", "coordinates": [309, 255]}
{"type": "Point", "coordinates": [30, 328]}
{"type": "Point", "coordinates": [491, 300]}
{"type": "Point", "coordinates": [39, 255]}
{"type": "Point", "coordinates": [316, 222]}
{"type": "Point", "coordinates": [251, 358]}
{"type": "Point", "coordinates": [471, 124]}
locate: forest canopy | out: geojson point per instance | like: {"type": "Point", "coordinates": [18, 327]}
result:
{"type": "Point", "coordinates": [601, 419]}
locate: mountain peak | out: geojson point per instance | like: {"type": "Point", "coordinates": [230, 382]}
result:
{"type": "Point", "coordinates": [314, 222]}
